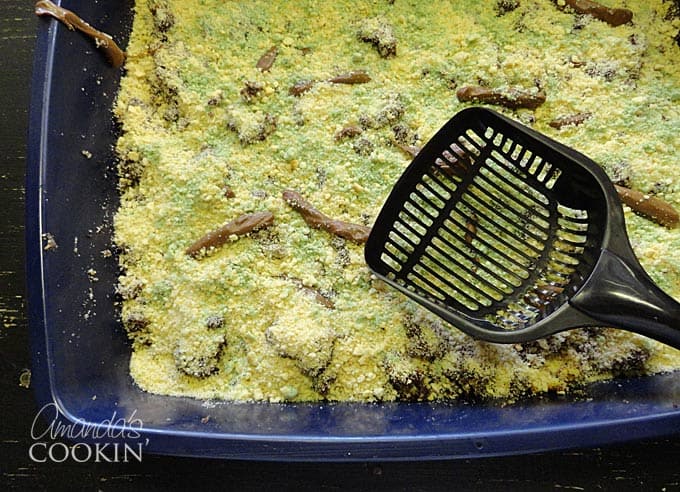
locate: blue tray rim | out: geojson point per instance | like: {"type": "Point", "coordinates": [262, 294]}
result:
{"type": "Point", "coordinates": [271, 446]}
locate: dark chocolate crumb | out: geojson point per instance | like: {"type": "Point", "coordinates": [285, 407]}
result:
{"type": "Point", "coordinates": [363, 146]}
{"type": "Point", "coordinates": [505, 6]}
{"type": "Point", "coordinates": [214, 322]}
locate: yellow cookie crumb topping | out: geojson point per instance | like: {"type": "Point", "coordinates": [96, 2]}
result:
{"type": "Point", "coordinates": [225, 105]}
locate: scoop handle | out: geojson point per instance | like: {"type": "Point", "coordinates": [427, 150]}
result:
{"type": "Point", "coordinates": [621, 294]}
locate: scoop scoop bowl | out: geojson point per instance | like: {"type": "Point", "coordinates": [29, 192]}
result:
{"type": "Point", "coordinates": [511, 236]}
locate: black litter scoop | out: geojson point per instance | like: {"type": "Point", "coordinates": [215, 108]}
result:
{"type": "Point", "coordinates": [511, 236]}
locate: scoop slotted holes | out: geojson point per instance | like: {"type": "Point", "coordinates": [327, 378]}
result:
{"type": "Point", "coordinates": [499, 240]}
{"type": "Point", "coordinates": [511, 236]}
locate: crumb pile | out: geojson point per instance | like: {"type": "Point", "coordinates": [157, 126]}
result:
{"type": "Point", "coordinates": [261, 138]}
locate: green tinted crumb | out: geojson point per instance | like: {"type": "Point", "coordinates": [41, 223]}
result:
{"type": "Point", "coordinates": [226, 107]}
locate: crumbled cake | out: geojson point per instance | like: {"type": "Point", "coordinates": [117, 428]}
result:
{"type": "Point", "coordinates": [309, 112]}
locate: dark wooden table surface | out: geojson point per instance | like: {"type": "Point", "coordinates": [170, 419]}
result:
{"type": "Point", "coordinates": [651, 465]}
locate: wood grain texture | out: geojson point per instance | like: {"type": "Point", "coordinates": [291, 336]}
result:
{"type": "Point", "coordinates": [651, 465]}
